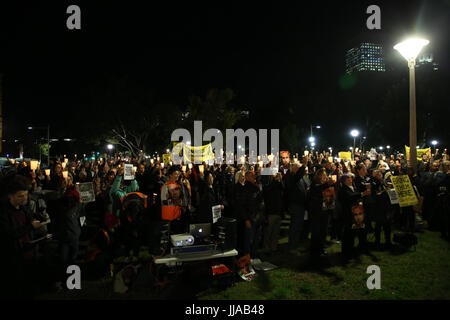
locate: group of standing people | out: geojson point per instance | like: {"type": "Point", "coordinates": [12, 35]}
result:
{"type": "Point", "coordinates": [343, 200]}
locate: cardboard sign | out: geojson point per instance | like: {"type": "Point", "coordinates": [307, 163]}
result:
{"type": "Point", "coordinates": [128, 172]}
{"type": "Point", "coordinates": [216, 212]}
{"type": "Point", "coordinates": [393, 196]}
{"type": "Point", "coordinates": [405, 191]}
{"type": "Point", "coordinates": [86, 191]}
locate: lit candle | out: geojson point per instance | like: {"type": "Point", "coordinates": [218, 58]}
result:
{"type": "Point", "coordinates": [162, 165]}
{"type": "Point", "coordinates": [201, 168]}
{"type": "Point", "coordinates": [33, 164]}
{"type": "Point", "coordinates": [65, 174]}
{"type": "Point", "coordinates": [183, 168]}
{"type": "Point", "coordinates": [47, 172]}
{"type": "Point", "coordinates": [190, 165]}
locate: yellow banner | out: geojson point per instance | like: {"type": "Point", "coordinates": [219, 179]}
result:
{"type": "Point", "coordinates": [420, 153]}
{"type": "Point", "coordinates": [345, 155]}
{"type": "Point", "coordinates": [194, 154]}
{"type": "Point", "coordinates": [406, 195]}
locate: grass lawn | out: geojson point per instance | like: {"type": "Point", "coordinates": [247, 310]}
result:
{"type": "Point", "coordinates": [420, 274]}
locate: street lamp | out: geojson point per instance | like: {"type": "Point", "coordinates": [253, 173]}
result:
{"type": "Point", "coordinates": [311, 138]}
{"type": "Point", "coordinates": [354, 133]}
{"type": "Point", "coordinates": [434, 143]}
{"type": "Point", "coordinates": [409, 49]}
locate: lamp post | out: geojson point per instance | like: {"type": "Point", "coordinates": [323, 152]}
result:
{"type": "Point", "coordinates": [409, 49]}
{"type": "Point", "coordinates": [434, 143]}
{"type": "Point", "coordinates": [354, 133]}
{"type": "Point", "coordinates": [311, 138]}
{"type": "Point", "coordinates": [110, 147]}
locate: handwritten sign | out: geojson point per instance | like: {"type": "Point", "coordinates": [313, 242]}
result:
{"type": "Point", "coordinates": [405, 191]}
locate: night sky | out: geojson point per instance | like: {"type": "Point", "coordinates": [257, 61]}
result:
{"type": "Point", "coordinates": [272, 55]}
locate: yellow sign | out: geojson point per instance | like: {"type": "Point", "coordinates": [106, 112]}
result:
{"type": "Point", "coordinates": [345, 155]}
{"type": "Point", "coordinates": [194, 154]}
{"type": "Point", "coordinates": [420, 153]}
{"type": "Point", "coordinates": [167, 157]}
{"type": "Point", "coordinates": [405, 191]}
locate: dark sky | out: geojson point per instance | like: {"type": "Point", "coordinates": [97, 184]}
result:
{"type": "Point", "coordinates": [272, 55]}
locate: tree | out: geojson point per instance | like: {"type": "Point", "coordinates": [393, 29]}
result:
{"type": "Point", "coordinates": [132, 118]}
{"type": "Point", "coordinates": [214, 110]}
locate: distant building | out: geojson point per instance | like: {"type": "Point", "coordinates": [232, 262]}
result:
{"type": "Point", "coordinates": [426, 60]}
{"type": "Point", "coordinates": [365, 57]}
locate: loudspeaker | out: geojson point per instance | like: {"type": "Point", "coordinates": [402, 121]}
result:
{"type": "Point", "coordinates": [225, 230]}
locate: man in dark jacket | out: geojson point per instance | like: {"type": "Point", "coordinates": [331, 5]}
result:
{"type": "Point", "coordinates": [253, 214]}
{"type": "Point", "coordinates": [16, 231]}
{"type": "Point", "coordinates": [296, 200]}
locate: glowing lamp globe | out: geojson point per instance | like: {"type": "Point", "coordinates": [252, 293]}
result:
{"type": "Point", "coordinates": [411, 48]}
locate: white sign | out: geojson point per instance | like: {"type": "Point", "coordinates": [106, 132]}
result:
{"type": "Point", "coordinates": [86, 191]}
{"type": "Point", "coordinates": [373, 154]}
{"type": "Point", "coordinates": [216, 212]}
{"type": "Point", "coordinates": [128, 172]}
{"type": "Point", "coordinates": [393, 196]}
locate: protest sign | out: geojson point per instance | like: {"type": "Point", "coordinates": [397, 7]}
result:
{"type": "Point", "coordinates": [167, 157]}
{"type": "Point", "coordinates": [405, 191]}
{"type": "Point", "coordinates": [86, 191]}
{"type": "Point", "coordinates": [393, 196]}
{"type": "Point", "coordinates": [373, 154]}
{"type": "Point", "coordinates": [345, 155]}
{"type": "Point", "coordinates": [128, 172]}
{"type": "Point", "coordinates": [420, 153]}
{"type": "Point", "coordinates": [216, 212]}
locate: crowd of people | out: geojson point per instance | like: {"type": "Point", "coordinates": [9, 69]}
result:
{"type": "Point", "coordinates": [345, 200]}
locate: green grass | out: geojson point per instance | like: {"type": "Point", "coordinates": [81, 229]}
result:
{"type": "Point", "coordinates": [420, 274]}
